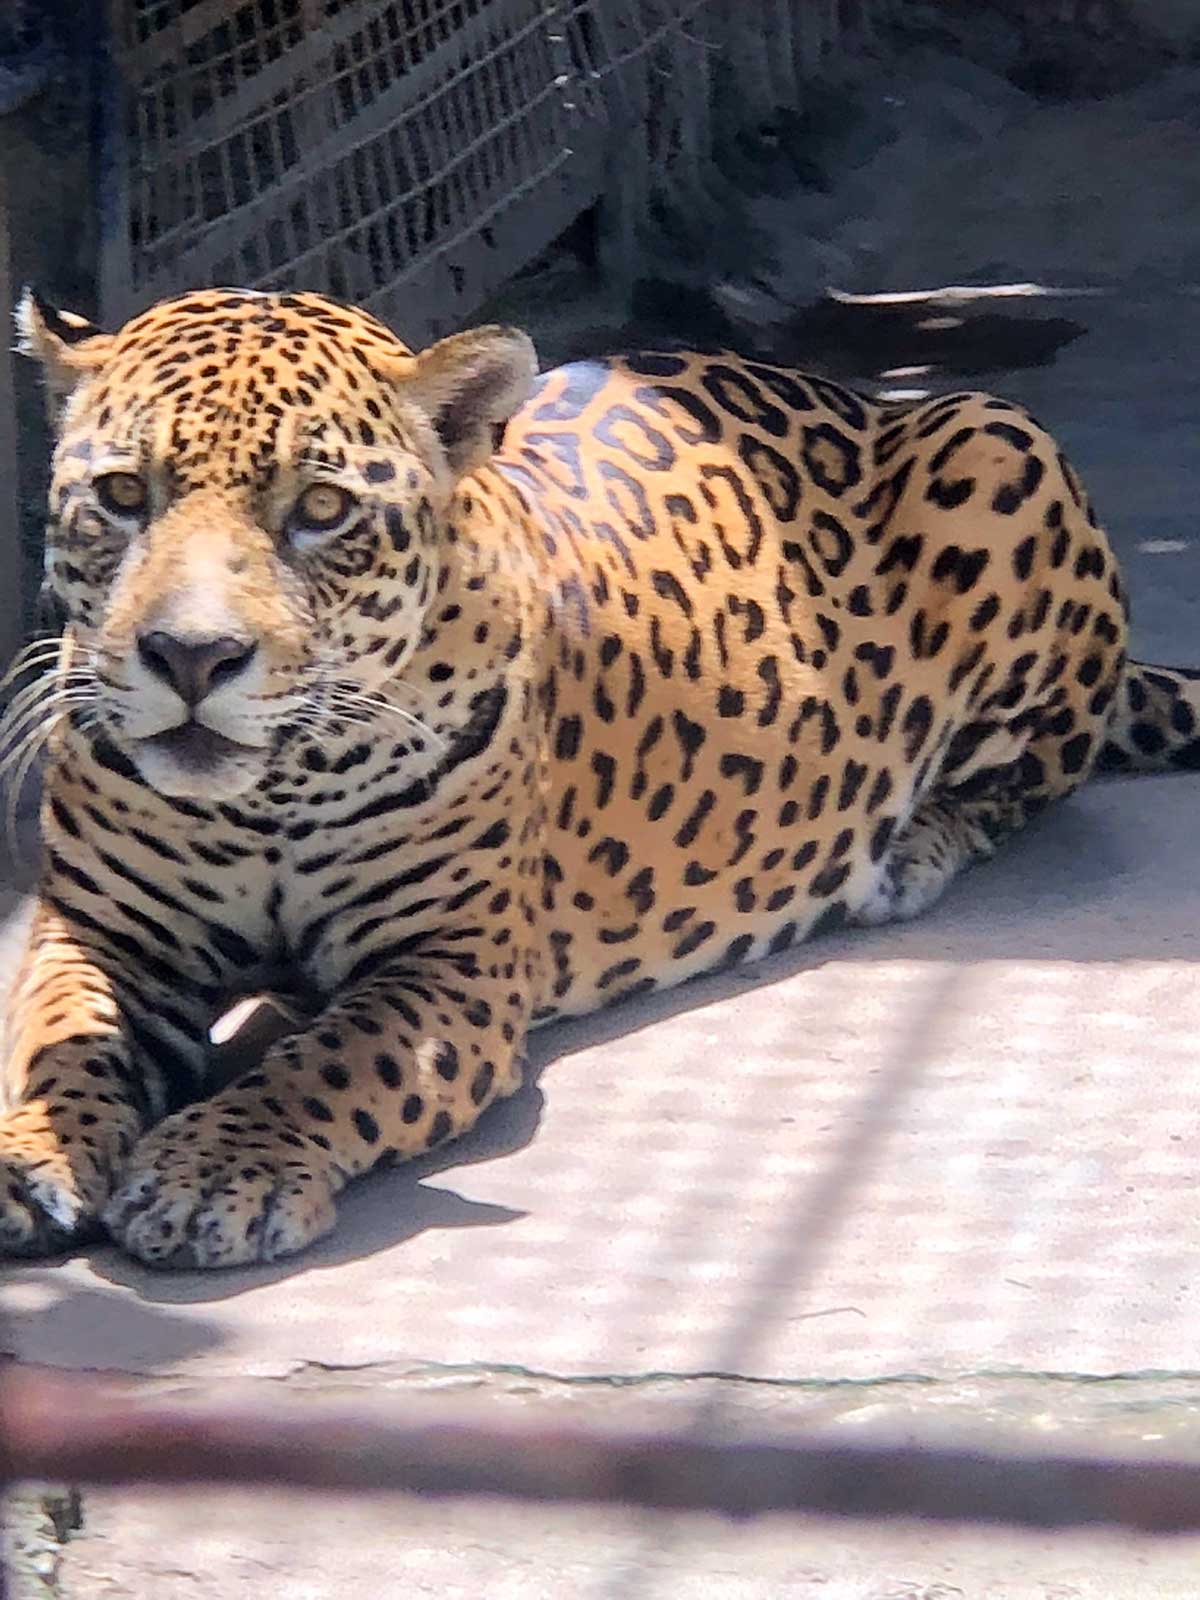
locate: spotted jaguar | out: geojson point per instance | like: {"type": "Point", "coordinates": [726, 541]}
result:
{"type": "Point", "coordinates": [450, 698]}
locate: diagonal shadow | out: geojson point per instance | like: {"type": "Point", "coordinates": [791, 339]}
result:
{"type": "Point", "coordinates": [805, 1236]}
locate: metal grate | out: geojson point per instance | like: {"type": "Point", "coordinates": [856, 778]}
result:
{"type": "Point", "coordinates": [410, 155]}
{"type": "Point", "coordinates": [375, 152]}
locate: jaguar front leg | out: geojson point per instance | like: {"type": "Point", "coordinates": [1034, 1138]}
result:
{"type": "Point", "coordinates": [78, 1087]}
{"type": "Point", "coordinates": [404, 1062]}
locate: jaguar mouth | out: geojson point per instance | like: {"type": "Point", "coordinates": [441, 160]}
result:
{"type": "Point", "coordinates": [194, 747]}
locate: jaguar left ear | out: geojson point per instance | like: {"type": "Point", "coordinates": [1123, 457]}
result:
{"type": "Point", "coordinates": [470, 384]}
{"type": "Point", "coordinates": [66, 346]}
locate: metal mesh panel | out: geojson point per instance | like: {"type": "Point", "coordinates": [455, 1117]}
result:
{"type": "Point", "coordinates": [411, 155]}
{"type": "Point", "coordinates": [377, 152]}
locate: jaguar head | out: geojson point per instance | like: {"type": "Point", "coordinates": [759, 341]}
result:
{"type": "Point", "coordinates": [247, 515]}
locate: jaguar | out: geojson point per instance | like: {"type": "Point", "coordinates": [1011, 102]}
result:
{"type": "Point", "coordinates": [453, 698]}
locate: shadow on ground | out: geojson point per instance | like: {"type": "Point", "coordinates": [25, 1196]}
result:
{"type": "Point", "coordinates": [1067, 891]}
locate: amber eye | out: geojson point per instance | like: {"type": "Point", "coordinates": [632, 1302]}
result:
{"type": "Point", "coordinates": [121, 493]}
{"type": "Point", "coordinates": [322, 507]}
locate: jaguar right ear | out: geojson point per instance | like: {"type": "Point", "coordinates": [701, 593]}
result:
{"type": "Point", "coordinates": [67, 347]}
{"type": "Point", "coordinates": [467, 385]}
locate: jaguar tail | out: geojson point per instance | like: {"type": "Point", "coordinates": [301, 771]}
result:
{"type": "Point", "coordinates": [1155, 723]}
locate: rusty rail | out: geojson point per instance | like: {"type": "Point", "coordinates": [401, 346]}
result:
{"type": "Point", "coordinates": [82, 1430]}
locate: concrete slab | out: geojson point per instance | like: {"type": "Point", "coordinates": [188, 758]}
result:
{"type": "Point", "coordinates": [305, 1550]}
{"type": "Point", "coordinates": [940, 1152]}
{"type": "Point", "coordinates": [213, 1545]}
{"type": "Point", "coordinates": [965, 1144]}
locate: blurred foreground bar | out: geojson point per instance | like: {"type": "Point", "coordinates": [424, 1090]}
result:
{"type": "Point", "coordinates": [82, 1430]}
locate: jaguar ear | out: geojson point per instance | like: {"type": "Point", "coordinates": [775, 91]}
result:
{"type": "Point", "coordinates": [67, 347]}
{"type": "Point", "coordinates": [468, 385]}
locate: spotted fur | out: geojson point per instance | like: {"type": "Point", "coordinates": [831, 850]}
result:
{"type": "Point", "coordinates": [704, 656]}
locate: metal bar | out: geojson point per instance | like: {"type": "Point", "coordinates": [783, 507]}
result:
{"type": "Point", "coordinates": [80, 1430]}
{"type": "Point", "coordinates": [11, 576]}
{"type": "Point", "coordinates": [114, 188]}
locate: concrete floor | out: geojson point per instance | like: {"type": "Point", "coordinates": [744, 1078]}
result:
{"type": "Point", "coordinates": [958, 1152]}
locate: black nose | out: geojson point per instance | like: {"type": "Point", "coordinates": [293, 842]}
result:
{"type": "Point", "coordinates": [194, 667]}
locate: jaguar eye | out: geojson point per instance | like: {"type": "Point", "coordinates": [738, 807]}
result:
{"type": "Point", "coordinates": [321, 507]}
{"type": "Point", "coordinates": [123, 494]}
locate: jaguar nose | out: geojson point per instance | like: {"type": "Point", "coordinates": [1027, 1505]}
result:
{"type": "Point", "coordinates": [193, 666]}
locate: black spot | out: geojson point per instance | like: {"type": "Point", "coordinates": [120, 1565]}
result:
{"type": "Point", "coordinates": [366, 1127]}
{"type": "Point", "coordinates": [777, 477]}
{"type": "Point", "coordinates": [831, 543]}
{"type": "Point", "coordinates": [623, 429]}
{"type": "Point", "coordinates": [1089, 671]}
{"type": "Point", "coordinates": [614, 853]}
{"type": "Point", "coordinates": [817, 797]}
{"type": "Point", "coordinates": [960, 567]}
{"type": "Point", "coordinates": [1009, 497]}
{"type": "Point", "coordinates": [693, 939]}
{"type": "Point", "coordinates": [830, 459]}
{"type": "Point", "coordinates": [665, 401]}
{"type": "Point", "coordinates": [737, 950]}
{"type": "Point", "coordinates": [478, 1013]}
{"type": "Point", "coordinates": [695, 821]}
{"type": "Point", "coordinates": [619, 970]}
{"type": "Point", "coordinates": [691, 737]}
{"type": "Point", "coordinates": [830, 631]}
{"type": "Point", "coordinates": [640, 890]}
{"type": "Point", "coordinates": [387, 1069]}
{"type": "Point", "coordinates": [881, 838]}
{"type": "Point", "coordinates": [853, 774]}
{"type": "Point", "coordinates": [668, 586]}
{"type": "Point", "coordinates": [1148, 739]}
{"type": "Point", "coordinates": [494, 836]}
{"type": "Point", "coordinates": [446, 1061]}
{"type": "Point", "coordinates": [567, 739]}
{"type": "Point", "coordinates": [950, 495]}
{"type": "Point", "coordinates": [904, 552]}
{"type": "Point", "coordinates": [829, 880]}
{"type": "Point", "coordinates": [879, 657]}
{"type": "Point", "coordinates": [441, 1128]}
{"type": "Point", "coordinates": [737, 393]}
{"type": "Point", "coordinates": [888, 707]}
{"type": "Point", "coordinates": [1075, 753]}
{"type": "Point", "coordinates": [696, 876]}
{"type": "Point", "coordinates": [660, 801]}
{"type": "Point", "coordinates": [916, 725]}
{"type": "Point", "coordinates": [747, 768]}
{"type": "Point", "coordinates": [393, 521]}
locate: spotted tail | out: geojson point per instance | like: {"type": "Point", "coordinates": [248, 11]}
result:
{"type": "Point", "coordinates": [1155, 724]}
